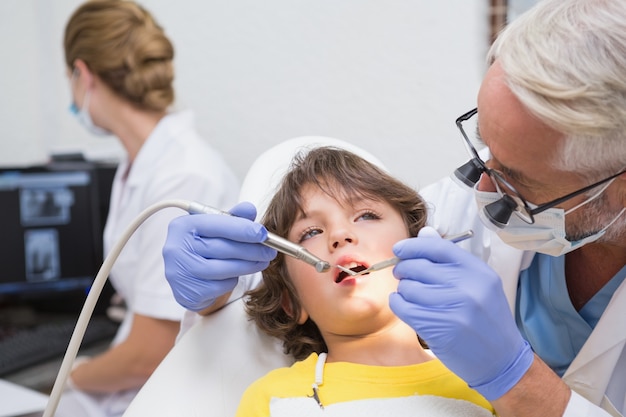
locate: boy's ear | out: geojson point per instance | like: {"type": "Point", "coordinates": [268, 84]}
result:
{"type": "Point", "coordinates": [285, 303]}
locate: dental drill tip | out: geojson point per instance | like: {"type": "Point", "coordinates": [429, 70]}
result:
{"type": "Point", "coordinates": [322, 266]}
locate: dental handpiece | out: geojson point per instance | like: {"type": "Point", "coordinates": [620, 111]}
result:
{"type": "Point", "coordinates": [191, 207]}
{"type": "Point", "coordinates": [273, 241]}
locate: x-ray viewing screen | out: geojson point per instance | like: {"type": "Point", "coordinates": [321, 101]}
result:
{"type": "Point", "coordinates": [50, 231]}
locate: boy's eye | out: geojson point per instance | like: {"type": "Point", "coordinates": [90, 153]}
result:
{"type": "Point", "coordinates": [309, 232]}
{"type": "Point", "coordinates": [368, 215]}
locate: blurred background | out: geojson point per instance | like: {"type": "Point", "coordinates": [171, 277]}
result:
{"type": "Point", "coordinates": [390, 76]}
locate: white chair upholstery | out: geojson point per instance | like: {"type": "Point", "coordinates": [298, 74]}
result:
{"type": "Point", "coordinates": [220, 355]}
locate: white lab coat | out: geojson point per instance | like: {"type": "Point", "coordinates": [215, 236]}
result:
{"type": "Point", "coordinates": [174, 163]}
{"type": "Point", "coordinates": [598, 373]}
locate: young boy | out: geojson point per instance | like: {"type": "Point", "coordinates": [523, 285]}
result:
{"type": "Point", "coordinates": [355, 357]}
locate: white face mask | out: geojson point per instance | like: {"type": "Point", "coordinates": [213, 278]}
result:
{"type": "Point", "coordinates": [546, 235]}
{"type": "Point", "coordinates": [84, 118]}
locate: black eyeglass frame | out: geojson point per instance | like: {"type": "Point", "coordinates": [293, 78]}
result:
{"type": "Point", "coordinates": [515, 202]}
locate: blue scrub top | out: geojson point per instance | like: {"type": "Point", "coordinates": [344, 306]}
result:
{"type": "Point", "coordinates": [546, 316]}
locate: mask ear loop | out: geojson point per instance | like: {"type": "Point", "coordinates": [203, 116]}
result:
{"type": "Point", "coordinates": [615, 219]}
{"type": "Point", "coordinates": [593, 197]}
{"type": "Point", "coordinates": [73, 106]}
{"type": "Point", "coordinates": [73, 79]}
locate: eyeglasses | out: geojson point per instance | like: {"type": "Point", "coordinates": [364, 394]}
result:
{"type": "Point", "coordinates": [511, 201]}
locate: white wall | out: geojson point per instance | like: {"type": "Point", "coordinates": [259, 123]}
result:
{"type": "Point", "coordinates": [388, 75]}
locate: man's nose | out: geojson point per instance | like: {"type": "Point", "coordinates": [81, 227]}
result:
{"type": "Point", "coordinates": [485, 183]}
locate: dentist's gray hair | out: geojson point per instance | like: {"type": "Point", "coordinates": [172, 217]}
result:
{"type": "Point", "coordinates": [565, 60]}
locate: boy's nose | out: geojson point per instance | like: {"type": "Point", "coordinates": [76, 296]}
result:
{"type": "Point", "coordinates": [337, 243]}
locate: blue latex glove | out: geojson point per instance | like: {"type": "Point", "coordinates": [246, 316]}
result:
{"type": "Point", "coordinates": [205, 253]}
{"type": "Point", "coordinates": [456, 303]}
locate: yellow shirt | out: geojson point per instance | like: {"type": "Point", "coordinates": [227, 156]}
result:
{"type": "Point", "coordinates": [347, 384]}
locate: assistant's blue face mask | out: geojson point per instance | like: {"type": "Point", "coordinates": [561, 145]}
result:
{"type": "Point", "coordinates": [84, 118]}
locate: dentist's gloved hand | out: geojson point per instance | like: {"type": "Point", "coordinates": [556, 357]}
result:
{"type": "Point", "coordinates": [456, 303]}
{"type": "Point", "coordinates": [205, 254]}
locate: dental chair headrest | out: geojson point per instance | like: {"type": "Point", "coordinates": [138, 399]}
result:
{"type": "Point", "coordinates": [267, 171]}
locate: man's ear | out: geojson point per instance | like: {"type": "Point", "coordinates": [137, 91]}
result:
{"type": "Point", "coordinates": [285, 303]}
